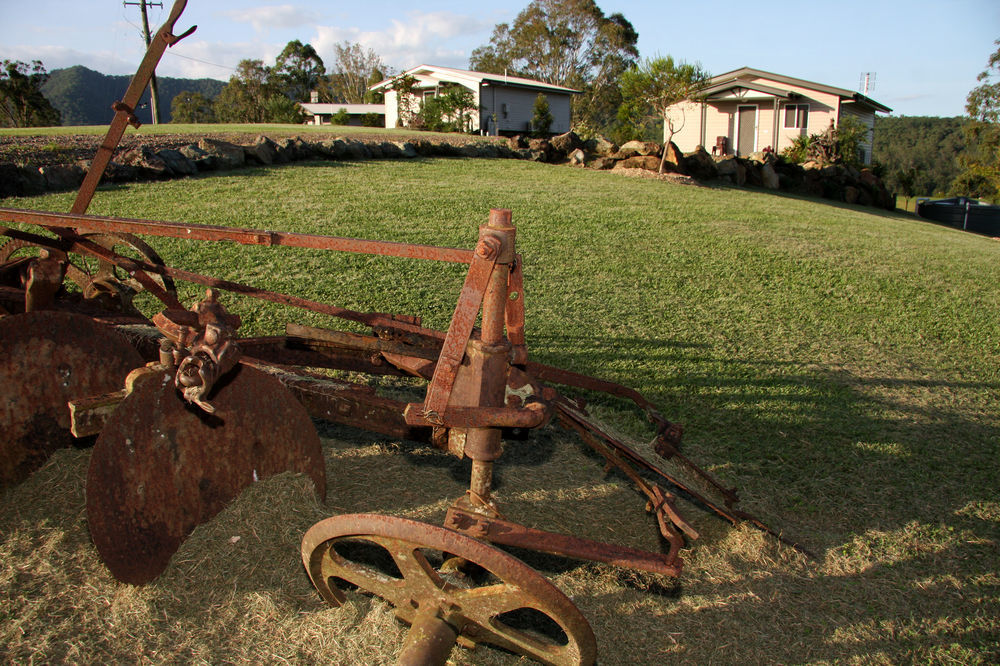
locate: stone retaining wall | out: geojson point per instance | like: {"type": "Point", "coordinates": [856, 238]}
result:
{"type": "Point", "coordinates": [146, 162]}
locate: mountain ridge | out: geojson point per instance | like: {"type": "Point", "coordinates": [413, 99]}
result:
{"type": "Point", "coordinates": [84, 96]}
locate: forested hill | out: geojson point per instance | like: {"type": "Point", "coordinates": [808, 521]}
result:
{"type": "Point", "coordinates": [84, 97]}
{"type": "Point", "coordinates": [928, 146]}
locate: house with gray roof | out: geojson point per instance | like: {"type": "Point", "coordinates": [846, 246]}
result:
{"type": "Point", "coordinates": [505, 102]}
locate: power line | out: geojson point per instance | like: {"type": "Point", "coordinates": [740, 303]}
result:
{"type": "Point", "coordinates": [213, 64]}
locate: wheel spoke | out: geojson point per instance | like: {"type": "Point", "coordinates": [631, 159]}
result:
{"type": "Point", "coordinates": [367, 578]}
{"type": "Point", "coordinates": [420, 576]}
{"type": "Point", "coordinates": [423, 589]}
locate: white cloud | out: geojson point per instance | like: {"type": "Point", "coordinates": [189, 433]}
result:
{"type": "Point", "coordinates": [59, 57]}
{"type": "Point", "coordinates": [272, 16]}
{"type": "Point", "coordinates": [422, 37]}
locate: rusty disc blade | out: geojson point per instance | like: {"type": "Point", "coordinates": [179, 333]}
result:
{"type": "Point", "coordinates": [161, 466]}
{"type": "Point", "coordinates": [48, 359]}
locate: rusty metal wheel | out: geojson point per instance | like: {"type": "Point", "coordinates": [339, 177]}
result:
{"type": "Point", "coordinates": [509, 604]}
{"type": "Point", "coordinates": [15, 251]}
{"type": "Point", "coordinates": [131, 246]}
{"type": "Point", "coordinates": [98, 278]}
{"type": "Point", "coordinates": [161, 466]}
{"type": "Point", "coordinates": [48, 359]}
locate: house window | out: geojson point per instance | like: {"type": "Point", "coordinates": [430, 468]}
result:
{"type": "Point", "coordinates": [796, 116]}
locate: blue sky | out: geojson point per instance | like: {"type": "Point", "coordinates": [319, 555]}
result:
{"type": "Point", "coordinates": [925, 55]}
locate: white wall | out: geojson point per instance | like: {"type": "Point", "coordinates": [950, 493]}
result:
{"type": "Point", "coordinates": [514, 108]}
{"type": "Point", "coordinates": [391, 109]}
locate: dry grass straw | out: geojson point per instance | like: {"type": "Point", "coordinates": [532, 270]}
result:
{"type": "Point", "coordinates": [838, 365]}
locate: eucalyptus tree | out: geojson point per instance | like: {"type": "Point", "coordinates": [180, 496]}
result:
{"type": "Point", "coordinates": [568, 43]}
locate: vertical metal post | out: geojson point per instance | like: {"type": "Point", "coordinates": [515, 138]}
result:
{"type": "Point", "coordinates": [489, 355]}
{"type": "Point", "coordinates": [154, 96]}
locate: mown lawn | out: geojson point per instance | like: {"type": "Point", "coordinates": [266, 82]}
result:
{"type": "Point", "coordinates": [838, 364]}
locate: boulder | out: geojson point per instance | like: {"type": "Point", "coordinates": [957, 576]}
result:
{"type": "Point", "coordinates": [62, 176]}
{"type": "Point", "coordinates": [374, 151]}
{"type": "Point", "coordinates": [176, 163]}
{"type": "Point", "coordinates": [642, 148]}
{"type": "Point", "coordinates": [16, 181]}
{"type": "Point", "coordinates": [299, 149]}
{"type": "Point", "coordinates": [147, 162]}
{"type": "Point", "coordinates": [471, 150]}
{"type": "Point", "coordinates": [764, 156]}
{"type": "Point", "coordinates": [731, 169]}
{"type": "Point", "coordinates": [333, 148]}
{"type": "Point", "coordinates": [541, 146]}
{"type": "Point", "coordinates": [769, 177]}
{"type": "Point", "coordinates": [851, 194]}
{"type": "Point", "coordinates": [647, 162]}
{"type": "Point", "coordinates": [262, 151]}
{"type": "Point", "coordinates": [406, 149]}
{"type": "Point", "coordinates": [202, 160]}
{"type": "Point", "coordinates": [116, 172]}
{"type": "Point", "coordinates": [227, 155]}
{"type": "Point", "coordinates": [566, 143]}
{"type": "Point", "coordinates": [674, 155]}
{"type": "Point", "coordinates": [577, 157]}
{"type": "Point", "coordinates": [603, 163]}
{"type": "Point", "coordinates": [517, 142]}
{"type": "Point", "coordinates": [699, 164]}
{"type": "Point", "coordinates": [390, 150]}
{"type": "Point", "coordinates": [600, 146]}
{"type": "Point", "coordinates": [356, 150]}
{"type": "Point", "coordinates": [867, 177]}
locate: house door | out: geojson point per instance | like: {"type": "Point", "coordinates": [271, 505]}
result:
{"type": "Point", "coordinates": [746, 130]}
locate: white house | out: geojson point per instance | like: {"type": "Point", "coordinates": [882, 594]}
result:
{"type": "Point", "coordinates": [505, 103]}
{"type": "Point", "coordinates": [747, 110]}
{"type": "Point", "coordinates": [321, 113]}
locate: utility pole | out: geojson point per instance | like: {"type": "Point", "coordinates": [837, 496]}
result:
{"type": "Point", "coordinates": [153, 96]}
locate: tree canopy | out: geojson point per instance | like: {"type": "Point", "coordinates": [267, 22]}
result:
{"type": "Point", "coordinates": [191, 107]}
{"type": "Point", "coordinates": [918, 148]}
{"type": "Point", "coordinates": [298, 69]}
{"type": "Point", "coordinates": [22, 103]}
{"type": "Point", "coordinates": [354, 69]}
{"type": "Point", "coordinates": [254, 95]}
{"type": "Point", "coordinates": [652, 88]}
{"type": "Point", "coordinates": [569, 43]}
{"type": "Point", "coordinates": [980, 175]}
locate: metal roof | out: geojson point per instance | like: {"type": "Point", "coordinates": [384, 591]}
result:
{"type": "Point", "coordinates": [477, 78]}
{"type": "Point", "coordinates": [744, 72]}
{"type": "Point", "coordinates": [323, 108]}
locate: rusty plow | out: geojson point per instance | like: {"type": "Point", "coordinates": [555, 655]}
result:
{"type": "Point", "coordinates": [185, 413]}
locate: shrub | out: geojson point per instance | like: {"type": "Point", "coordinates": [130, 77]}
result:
{"type": "Point", "coordinates": [450, 110]}
{"type": "Point", "coordinates": [840, 144]}
{"type": "Point", "coordinates": [372, 120]}
{"type": "Point", "coordinates": [541, 119]}
{"type": "Point", "coordinates": [280, 109]}
{"type": "Point", "coordinates": [342, 117]}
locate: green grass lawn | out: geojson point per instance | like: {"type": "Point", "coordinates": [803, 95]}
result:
{"type": "Point", "coordinates": [838, 364]}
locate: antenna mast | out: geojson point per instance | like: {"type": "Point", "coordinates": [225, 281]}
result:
{"type": "Point", "coordinates": [867, 82]}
